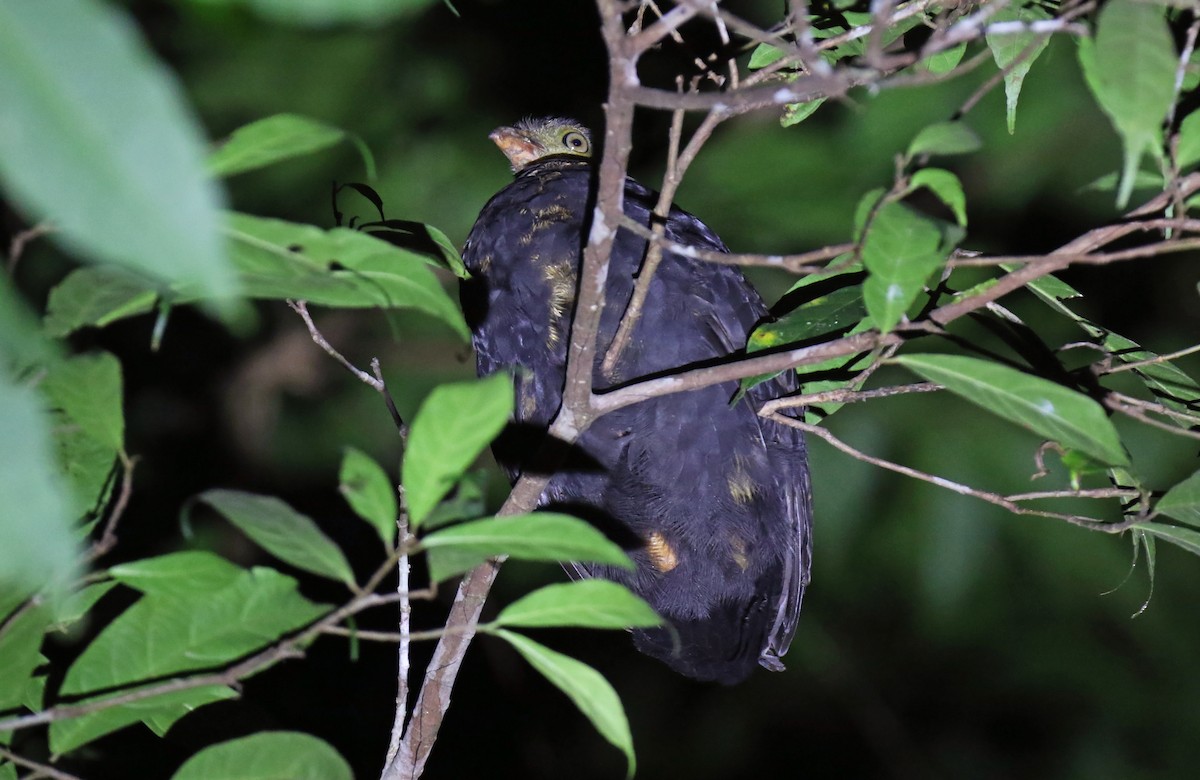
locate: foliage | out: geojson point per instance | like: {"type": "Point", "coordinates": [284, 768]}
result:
{"type": "Point", "coordinates": [143, 205]}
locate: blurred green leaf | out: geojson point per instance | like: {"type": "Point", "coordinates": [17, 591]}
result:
{"type": "Point", "coordinates": [1188, 153]}
{"type": "Point", "coordinates": [102, 144]}
{"type": "Point", "coordinates": [1044, 407]}
{"type": "Point", "coordinates": [763, 55]}
{"type": "Point", "coordinates": [370, 492]}
{"type": "Point", "coordinates": [946, 186]}
{"type": "Point", "coordinates": [267, 755]}
{"type": "Point", "coordinates": [866, 206]}
{"type": "Point", "coordinates": [944, 138]}
{"type": "Point", "coordinates": [452, 427]}
{"type": "Point", "coordinates": [1130, 69]}
{"type": "Point", "coordinates": [76, 605]}
{"type": "Point", "coordinates": [591, 693]}
{"type": "Point", "coordinates": [1007, 48]}
{"type": "Point", "coordinates": [1142, 180]}
{"type": "Point", "coordinates": [588, 603]}
{"type": "Point", "coordinates": [271, 140]}
{"type": "Point", "coordinates": [96, 296]}
{"type": "Point", "coordinates": [1182, 501]}
{"type": "Point", "coordinates": [541, 536]}
{"type": "Point", "coordinates": [324, 13]}
{"type": "Point", "coordinates": [20, 643]}
{"type": "Point", "coordinates": [282, 531]}
{"type": "Point", "coordinates": [35, 514]}
{"type": "Point", "coordinates": [795, 113]}
{"type": "Point", "coordinates": [901, 250]}
{"type": "Point", "coordinates": [87, 388]}
{"type": "Point", "coordinates": [22, 341]}
{"type": "Point", "coordinates": [467, 502]}
{"type": "Point", "coordinates": [945, 61]}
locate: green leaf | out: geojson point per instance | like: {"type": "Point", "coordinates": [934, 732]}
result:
{"type": "Point", "coordinates": [1182, 502]}
{"type": "Point", "coordinates": [194, 616]}
{"type": "Point", "coordinates": [901, 250]}
{"type": "Point", "coordinates": [1006, 48]}
{"type": "Point", "coordinates": [541, 536]}
{"type": "Point", "coordinates": [795, 113]}
{"type": "Point", "coordinates": [105, 145]}
{"type": "Point", "coordinates": [271, 140]}
{"type": "Point", "coordinates": [267, 755]}
{"type": "Point", "coordinates": [86, 462]}
{"type": "Point", "coordinates": [178, 575]}
{"type": "Point", "coordinates": [450, 254]}
{"type": "Point", "coordinates": [1188, 153]}
{"type": "Point", "coordinates": [467, 502]}
{"type": "Point", "coordinates": [1184, 537]}
{"type": "Point", "coordinates": [158, 713]}
{"type": "Point", "coordinates": [821, 318]}
{"type": "Point", "coordinates": [589, 603]}
{"type": "Point", "coordinates": [452, 427]}
{"type": "Point", "coordinates": [22, 340]}
{"type": "Point", "coordinates": [1142, 180]}
{"type": "Point", "coordinates": [1169, 384]}
{"type": "Point", "coordinates": [35, 514]}
{"type": "Point", "coordinates": [87, 388]}
{"type": "Point", "coordinates": [1044, 407]}
{"type": "Point", "coordinates": [338, 267]}
{"type": "Point", "coordinates": [945, 61]}
{"type": "Point", "coordinates": [944, 138]}
{"type": "Point", "coordinates": [867, 204]}
{"type": "Point", "coordinates": [763, 55]}
{"type": "Point", "coordinates": [946, 186]}
{"type": "Point", "coordinates": [97, 297]}
{"type": "Point", "coordinates": [76, 605]}
{"type": "Point", "coordinates": [1130, 68]}
{"type": "Point", "coordinates": [591, 693]}
{"type": "Point", "coordinates": [282, 531]}
{"type": "Point", "coordinates": [20, 643]}
{"type": "Point", "coordinates": [370, 493]}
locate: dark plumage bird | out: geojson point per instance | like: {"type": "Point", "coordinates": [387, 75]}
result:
{"type": "Point", "coordinates": [711, 501]}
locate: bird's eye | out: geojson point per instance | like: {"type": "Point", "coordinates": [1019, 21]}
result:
{"type": "Point", "coordinates": [576, 141]}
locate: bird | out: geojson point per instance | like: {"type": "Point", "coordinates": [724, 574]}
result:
{"type": "Point", "coordinates": [710, 500]}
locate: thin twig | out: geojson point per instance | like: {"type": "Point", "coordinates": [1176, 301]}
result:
{"type": "Point", "coordinates": [16, 247]}
{"type": "Point", "coordinates": [802, 263]}
{"type": "Point", "coordinates": [1156, 360]}
{"type": "Point", "coordinates": [39, 770]}
{"type": "Point", "coordinates": [1007, 502]}
{"type": "Point", "coordinates": [108, 538]}
{"type": "Point", "coordinates": [405, 633]}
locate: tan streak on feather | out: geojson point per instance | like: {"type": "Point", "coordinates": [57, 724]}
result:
{"type": "Point", "coordinates": [662, 556]}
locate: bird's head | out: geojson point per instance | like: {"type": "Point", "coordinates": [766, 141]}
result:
{"type": "Point", "coordinates": [531, 140]}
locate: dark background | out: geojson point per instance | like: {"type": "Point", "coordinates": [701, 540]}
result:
{"type": "Point", "coordinates": [941, 637]}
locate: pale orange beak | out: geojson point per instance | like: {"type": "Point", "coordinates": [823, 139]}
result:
{"type": "Point", "coordinates": [519, 150]}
